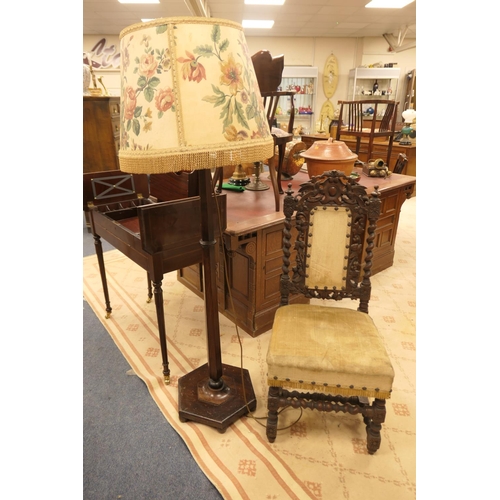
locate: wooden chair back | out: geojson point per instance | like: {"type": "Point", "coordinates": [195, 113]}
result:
{"type": "Point", "coordinates": [269, 70]}
{"type": "Point", "coordinates": [332, 215]}
{"type": "Point", "coordinates": [355, 122]}
{"type": "Point", "coordinates": [354, 118]}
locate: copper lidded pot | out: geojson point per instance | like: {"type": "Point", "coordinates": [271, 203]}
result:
{"type": "Point", "coordinates": [329, 155]}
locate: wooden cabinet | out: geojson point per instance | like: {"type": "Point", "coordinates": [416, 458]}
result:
{"type": "Point", "coordinates": [252, 251]}
{"type": "Point", "coordinates": [249, 287]}
{"type": "Point", "coordinates": [254, 263]}
{"type": "Point", "coordinates": [101, 133]}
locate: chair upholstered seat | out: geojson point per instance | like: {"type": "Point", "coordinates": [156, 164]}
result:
{"type": "Point", "coordinates": [307, 353]}
{"type": "Point", "coordinates": [322, 357]}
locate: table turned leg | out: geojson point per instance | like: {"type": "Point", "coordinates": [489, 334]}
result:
{"type": "Point", "coordinates": [160, 316]}
{"type": "Point", "coordinates": [102, 270]}
{"type": "Point", "coordinates": [150, 289]}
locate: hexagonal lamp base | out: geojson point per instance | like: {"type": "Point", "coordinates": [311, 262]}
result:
{"type": "Point", "coordinates": [219, 409]}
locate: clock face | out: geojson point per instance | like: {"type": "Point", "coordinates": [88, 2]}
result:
{"type": "Point", "coordinates": [330, 76]}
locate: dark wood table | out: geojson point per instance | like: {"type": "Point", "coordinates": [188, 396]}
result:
{"type": "Point", "coordinates": [253, 249]}
{"type": "Point", "coordinates": [159, 237]}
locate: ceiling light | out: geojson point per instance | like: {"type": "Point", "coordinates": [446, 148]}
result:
{"type": "Point", "coordinates": [257, 24]}
{"type": "Point", "coordinates": [147, 20]}
{"type": "Point", "coordinates": [139, 1]}
{"type": "Point", "coordinates": [264, 2]}
{"type": "Point", "coordinates": [388, 4]}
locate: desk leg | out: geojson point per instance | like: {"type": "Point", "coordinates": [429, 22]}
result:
{"type": "Point", "coordinates": [281, 158]}
{"type": "Point", "coordinates": [150, 289]}
{"type": "Point", "coordinates": [273, 176]}
{"type": "Point", "coordinates": [100, 260]}
{"type": "Point", "coordinates": [160, 316]}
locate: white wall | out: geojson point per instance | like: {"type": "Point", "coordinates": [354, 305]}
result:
{"type": "Point", "coordinates": [350, 53]}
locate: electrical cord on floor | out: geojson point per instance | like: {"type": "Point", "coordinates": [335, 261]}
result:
{"type": "Point", "coordinates": [233, 310]}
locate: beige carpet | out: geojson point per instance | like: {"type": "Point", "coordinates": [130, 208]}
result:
{"type": "Point", "coordinates": [323, 456]}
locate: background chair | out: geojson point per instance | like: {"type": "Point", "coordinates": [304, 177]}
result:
{"type": "Point", "coordinates": [269, 71]}
{"type": "Point", "coordinates": [354, 122]}
{"type": "Point", "coordinates": [333, 353]}
{"type": "Point", "coordinates": [401, 163]}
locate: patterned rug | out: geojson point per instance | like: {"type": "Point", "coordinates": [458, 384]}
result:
{"type": "Point", "coordinates": [322, 456]}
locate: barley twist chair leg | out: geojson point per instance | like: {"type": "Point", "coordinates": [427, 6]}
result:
{"type": "Point", "coordinates": [272, 416]}
{"type": "Point", "coordinates": [374, 425]}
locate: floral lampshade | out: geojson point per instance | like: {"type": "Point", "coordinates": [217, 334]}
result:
{"type": "Point", "coordinates": [189, 97]}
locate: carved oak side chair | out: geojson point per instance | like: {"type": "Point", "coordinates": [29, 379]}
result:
{"type": "Point", "coordinates": [322, 356]}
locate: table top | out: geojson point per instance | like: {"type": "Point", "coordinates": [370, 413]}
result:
{"type": "Point", "coordinates": [249, 210]}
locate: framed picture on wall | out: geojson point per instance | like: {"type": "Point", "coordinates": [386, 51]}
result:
{"type": "Point", "coordinates": [103, 56]}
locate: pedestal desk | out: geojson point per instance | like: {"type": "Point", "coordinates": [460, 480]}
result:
{"type": "Point", "coordinates": [253, 249]}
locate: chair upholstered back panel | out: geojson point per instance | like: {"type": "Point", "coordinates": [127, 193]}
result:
{"type": "Point", "coordinates": [328, 242]}
{"type": "Point", "coordinates": [333, 215]}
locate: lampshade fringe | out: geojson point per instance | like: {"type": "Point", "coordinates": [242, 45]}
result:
{"type": "Point", "coordinates": [161, 161]}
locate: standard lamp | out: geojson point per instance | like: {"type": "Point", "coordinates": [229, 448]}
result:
{"type": "Point", "coordinates": [190, 101]}
{"type": "Point", "coordinates": [408, 116]}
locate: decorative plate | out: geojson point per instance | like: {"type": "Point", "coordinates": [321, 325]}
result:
{"type": "Point", "coordinates": [330, 76]}
{"type": "Point", "coordinates": [327, 110]}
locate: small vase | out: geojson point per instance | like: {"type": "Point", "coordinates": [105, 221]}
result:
{"type": "Point", "coordinates": [375, 86]}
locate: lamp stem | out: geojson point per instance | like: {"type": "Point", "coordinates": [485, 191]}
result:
{"type": "Point", "coordinates": [214, 394]}
{"type": "Point", "coordinates": [208, 243]}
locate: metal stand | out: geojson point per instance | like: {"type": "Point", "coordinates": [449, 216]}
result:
{"type": "Point", "coordinates": [257, 184]}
